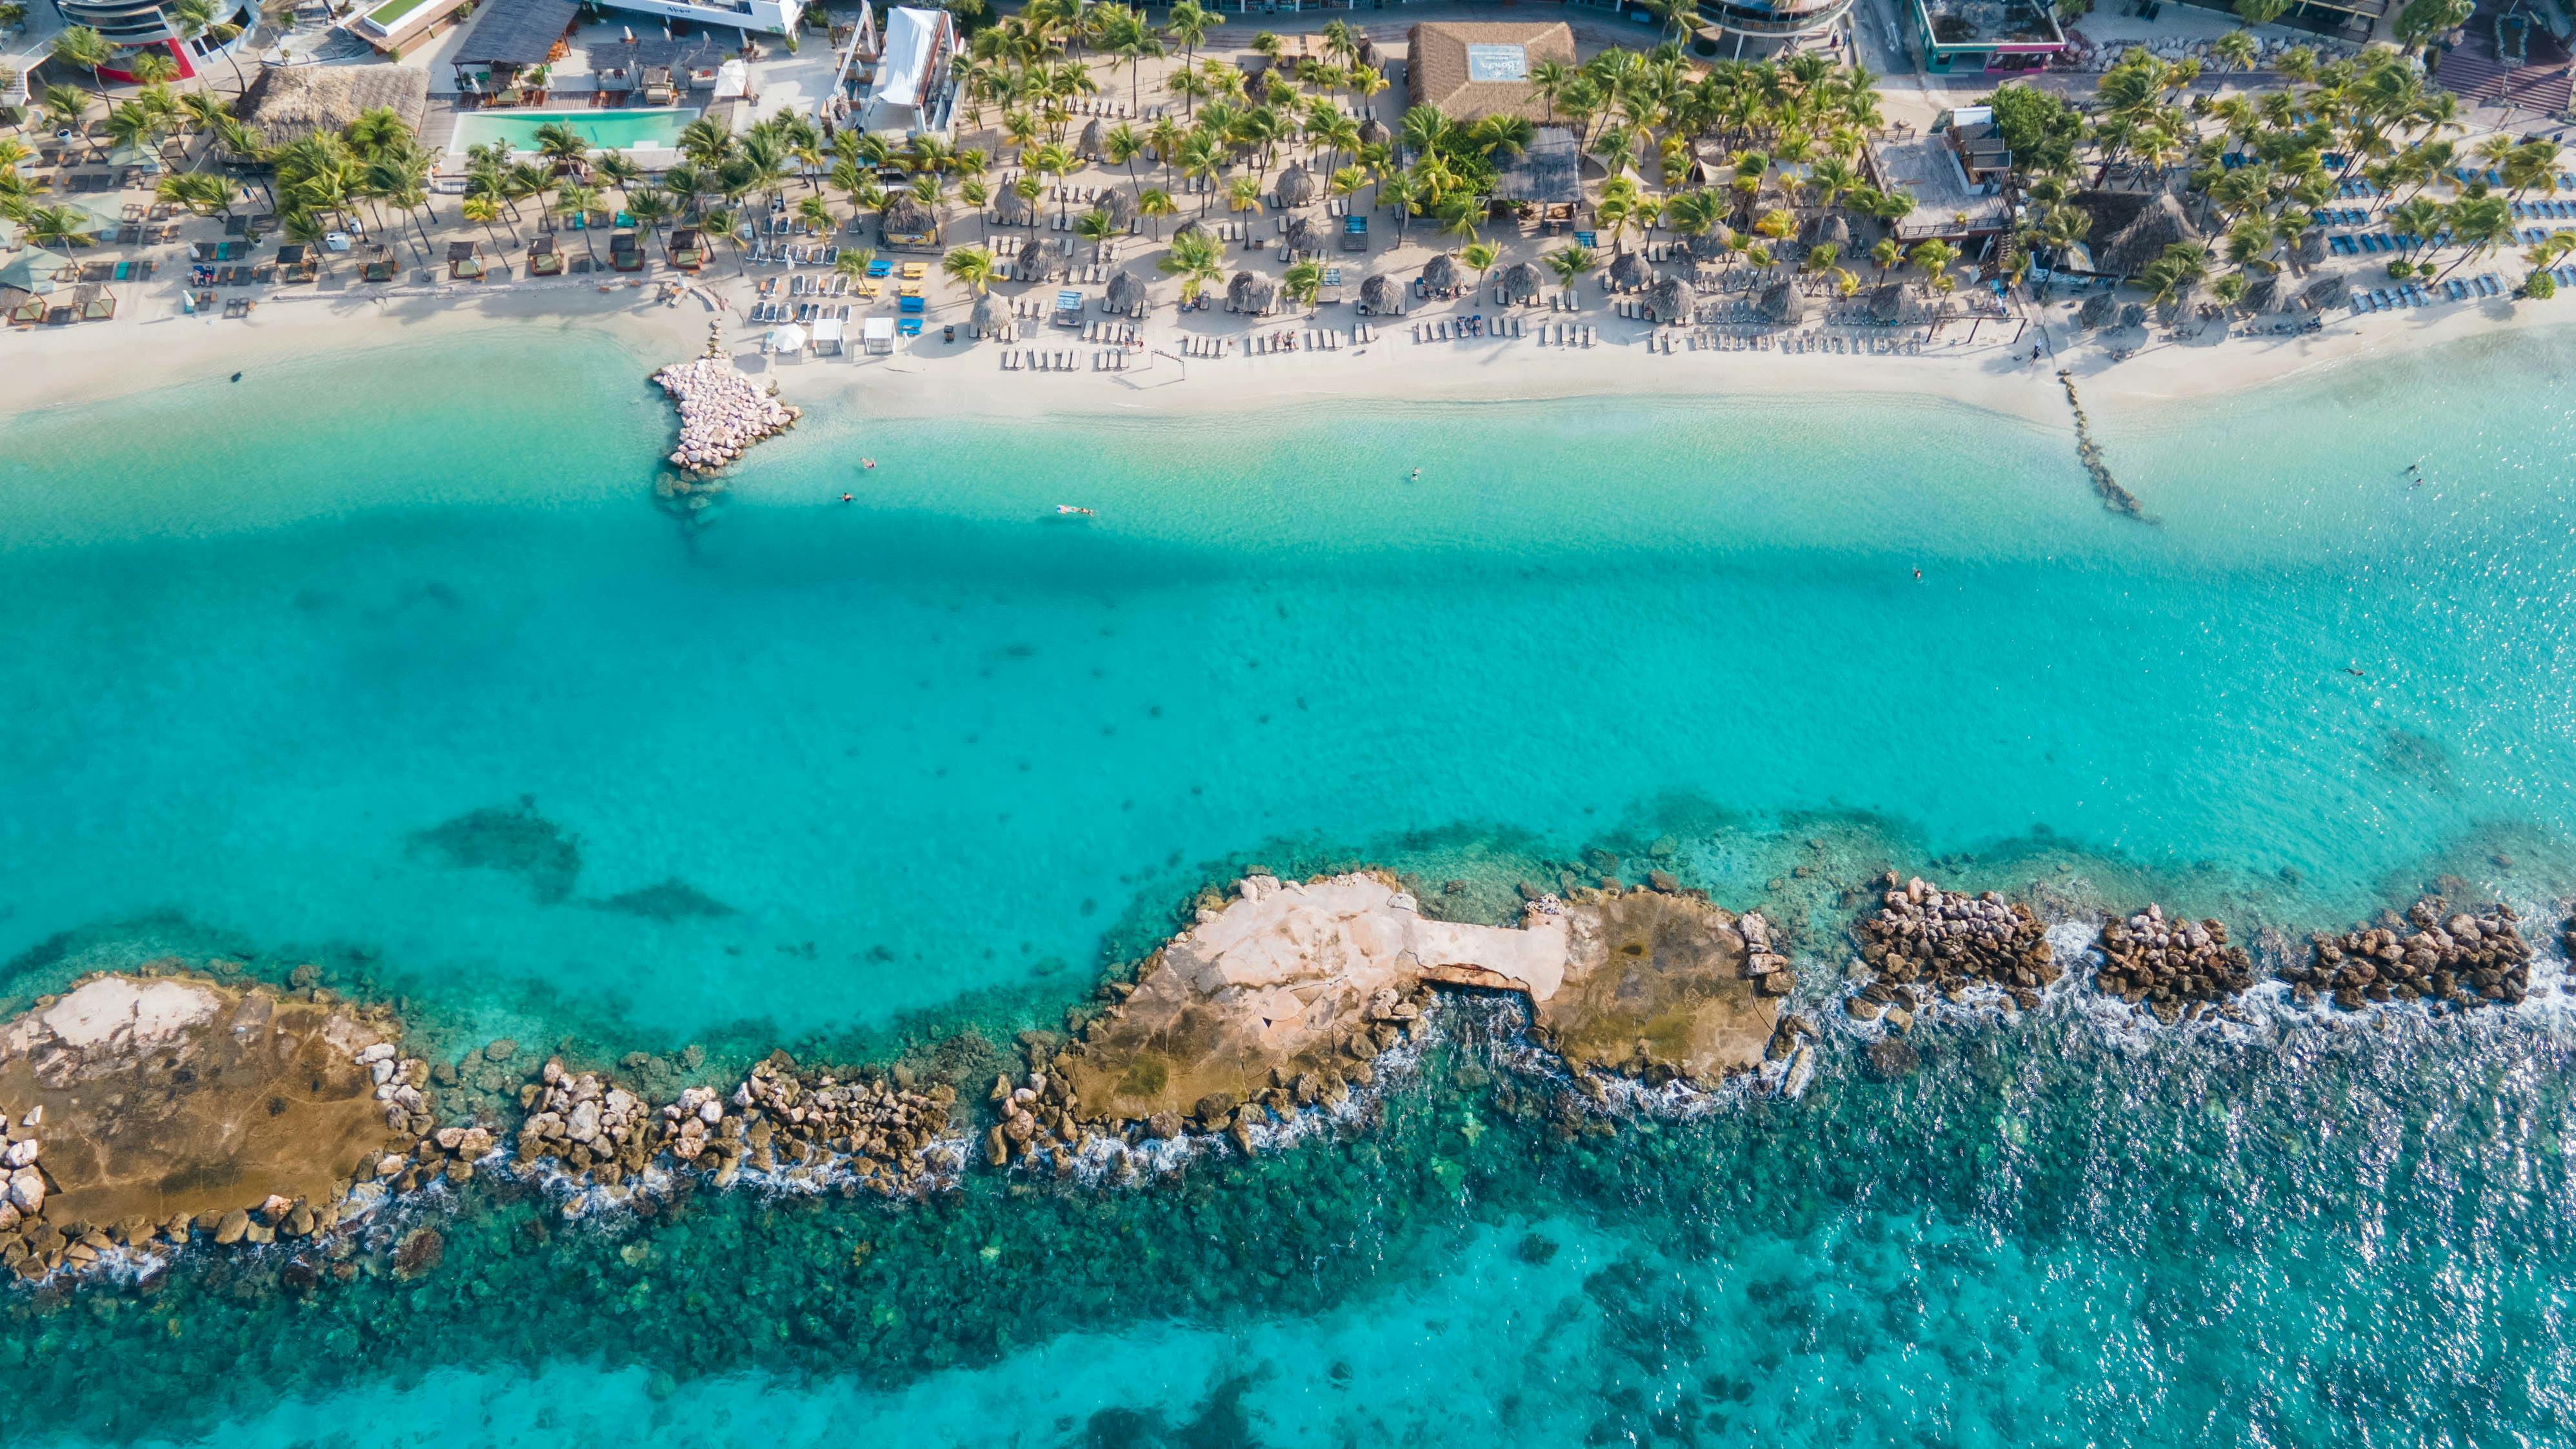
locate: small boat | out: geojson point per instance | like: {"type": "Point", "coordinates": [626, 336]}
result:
{"type": "Point", "coordinates": [1067, 510]}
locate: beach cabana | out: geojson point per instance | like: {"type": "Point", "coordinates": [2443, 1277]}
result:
{"type": "Point", "coordinates": [828, 332]}
{"type": "Point", "coordinates": [876, 336]}
{"type": "Point", "coordinates": [1783, 304]}
{"type": "Point", "coordinates": [1380, 296]}
{"type": "Point", "coordinates": [377, 264]}
{"type": "Point", "coordinates": [20, 307]}
{"type": "Point", "coordinates": [1672, 302]}
{"type": "Point", "coordinates": [543, 259]}
{"type": "Point", "coordinates": [907, 225]}
{"type": "Point", "coordinates": [1125, 296]}
{"type": "Point", "coordinates": [789, 339]}
{"type": "Point", "coordinates": [1521, 284]}
{"type": "Point", "coordinates": [625, 252]}
{"type": "Point", "coordinates": [1628, 272]}
{"type": "Point", "coordinates": [688, 248]}
{"type": "Point", "coordinates": [93, 303]}
{"type": "Point", "coordinates": [296, 263]}
{"type": "Point", "coordinates": [1296, 187]}
{"type": "Point", "coordinates": [1250, 294]}
{"type": "Point", "coordinates": [1440, 274]}
{"type": "Point", "coordinates": [464, 262]}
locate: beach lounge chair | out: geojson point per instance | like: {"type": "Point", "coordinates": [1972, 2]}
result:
{"type": "Point", "coordinates": [879, 266]}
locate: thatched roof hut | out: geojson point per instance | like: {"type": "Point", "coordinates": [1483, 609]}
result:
{"type": "Point", "coordinates": [1126, 295]}
{"type": "Point", "coordinates": [1036, 260]}
{"type": "Point", "coordinates": [1188, 228]}
{"type": "Point", "coordinates": [1381, 296]}
{"type": "Point", "coordinates": [2311, 250]}
{"type": "Point", "coordinates": [1296, 186]}
{"type": "Point", "coordinates": [1298, 236]}
{"type": "Point", "coordinates": [2260, 293]}
{"type": "Point", "coordinates": [290, 102]}
{"type": "Point", "coordinates": [1628, 271]}
{"type": "Point", "coordinates": [1672, 302]}
{"type": "Point", "coordinates": [1783, 303]}
{"type": "Point", "coordinates": [2097, 311]}
{"type": "Point", "coordinates": [2327, 291]}
{"type": "Point", "coordinates": [1250, 292]}
{"type": "Point", "coordinates": [1830, 231]}
{"type": "Point", "coordinates": [2133, 315]}
{"type": "Point", "coordinates": [1522, 282]}
{"type": "Point", "coordinates": [1373, 132]}
{"type": "Point", "coordinates": [987, 319]}
{"type": "Point", "coordinates": [1708, 246]}
{"type": "Point", "coordinates": [1121, 208]}
{"type": "Point", "coordinates": [1440, 274]}
{"type": "Point", "coordinates": [1887, 304]}
{"type": "Point", "coordinates": [1089, 145]}
{"type": "Point", "coordinates": [2159, 224]}
{"type": "Point", "coordinates": [1012, 209]}
{"type": "Point", "coordinates": [906, 219]}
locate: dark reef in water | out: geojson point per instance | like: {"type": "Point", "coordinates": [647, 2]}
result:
{"type": "Point", "coordinates": [514, 841]}
{"type": "Point", "coordinates": [672, 900]}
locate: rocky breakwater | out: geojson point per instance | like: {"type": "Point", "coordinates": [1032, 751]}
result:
{"type": "Point", "coordinates": [722, 412]}
{"type": "Point", "coordinates": [863, 1130]}
{"type": "Point", "coordinates": [2455, 961]}
{"type": "Point", "coordinates": [2171, 967]}
{"type": "Point", "coordinates": [152, 1110]}
{"type": "Point", "coordinates": [1284, 995]}
{"type": "Point", "coordinates": [1924, 941]}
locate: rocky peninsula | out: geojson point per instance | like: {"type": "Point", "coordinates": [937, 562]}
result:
{"type": "Point", "coordinates": [722, 412]}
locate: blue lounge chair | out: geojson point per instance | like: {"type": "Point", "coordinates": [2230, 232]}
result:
{"type": "Point", "coordinates": [908, 326]}
{"type": "Point", "coordinates": [880, 267]}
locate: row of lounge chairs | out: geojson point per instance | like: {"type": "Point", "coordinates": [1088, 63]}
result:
{"type": "Point", "coordinates": [1474, 326]}
{"type": "Point", "coordinates": [2544, 210]}
{"type": "Point", "coordinates": [797, 311]}
{"type": "Point", "coordinates": [1048, 361]}
{"type": "Point", "coordinates": [1124, 333]}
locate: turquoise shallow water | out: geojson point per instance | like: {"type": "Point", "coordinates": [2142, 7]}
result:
{"type": "Point", "coordinates": [931, 757]}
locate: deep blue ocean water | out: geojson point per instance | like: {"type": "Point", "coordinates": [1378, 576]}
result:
{"type": "Point", "coordinates": [427, 689]}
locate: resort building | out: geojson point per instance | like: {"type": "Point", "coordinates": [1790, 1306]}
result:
{"type": "Point", "coordinates": [776, 17]}
{"type": "Point", "coordinates": [1469, 70]}
{"type": "Point", "coordinates": [911, 79]}
{"type": "Point", "coordinates": [396, 23]}
{"type": "Point", "coordinates": [287, 103]}
{"type": "Point", "coordinates": [2355, 21]}
{"type": "Point", "coordinates": [145, 24]}
{"type": "Point", "coordinates": [1996, 37]}
{"type": "Point", "coordinates": [1752, 29]}
{"type": "Point", "coordinates": [503, 60]}
{"type": "Point", "coordinates": [1955, 172]}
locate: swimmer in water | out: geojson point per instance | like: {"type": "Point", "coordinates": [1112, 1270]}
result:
{"type": "Point", "coordinates": [867, 462]}
{"type": "Point", "coordinates": [1417, 475]}
{"type": "Point", "coordinates": [1918, 573]}
{"type": "Point", "coordinates": [846, 498]}
{"type": "Point", "coordinates": [236, 377]}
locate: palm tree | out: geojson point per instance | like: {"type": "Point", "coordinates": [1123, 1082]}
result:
{"type": "Point", "coordinates": [573, 200]}
{"type": "Point", "coordinates": [2478, 225]}
{"type": "Point", "coordinates": [1479, 257]}
{"type": "Point", "coordinates": [1933, 259]}
{"type": "Point", "coordinates": [152, 68]}
{"type": "Point", "coordinates": [1887, 254]}
{"type": "Point", "coordinates": [567, 148]}
{"type": "Point", "coordinates": [483, 210]}
{"type": "Point", "coordinates": [1569, 263]}
{"type": "Point", "coordinates": [1097, 227]}
{"type": "Point", "coordinates": [1155, 203]}
{"type": "Point", "coordinates": [1304, 281]}
{"type": "Point", "coordinates": [651, 206]}
{"type": "Point", "coordinates": [815, 212]}
{"type": "Point", "coordinates": [1196, 259]}
{"type": "Point", "coordinates": [80, 48]}
{"type": "Point", "coordinates": [1243, 193]}
{"type": "Point", "coordinates": [58, 226]}
{"type": "Point", "coordinates": [972, 266]}
{"type": "Point", "coordinates": [1188, 25]}
{"type": "Point", "coordinates": [193, 18]}
{"type": "Point", "coordinates": [853, 261]}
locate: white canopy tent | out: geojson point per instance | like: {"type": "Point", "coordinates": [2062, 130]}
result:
{"type": "Point", "coordinates": [827, 335]}
{"type": "Point", "coordinates": [876, 335]}
{"type": "Point", "coordinates": [790, 338]}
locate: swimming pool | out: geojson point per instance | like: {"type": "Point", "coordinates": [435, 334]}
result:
{"type": "Point", "coordinates": [648, 130]}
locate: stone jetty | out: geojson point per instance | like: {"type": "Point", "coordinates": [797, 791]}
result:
{"type": "Point", "coordinates": [2088, 452]}
{"type": "Point", "coordinates": [2171, 967]}
{"type": "Point", "coordinates": [722, 412]}
{"type": "Point", "coordinates": [144, 1111]}
{"type": "Point", "coordinates": [1924, 940]}
{"type": "Point", "coordinates": [2453, 959]}
{"type": "Point", "coordinates": [1283, 996]}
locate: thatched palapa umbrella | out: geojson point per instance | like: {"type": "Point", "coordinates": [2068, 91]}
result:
{"type": "Point", "coordinates": [1381, 297]}
{"type": "Point", "coordinates": [1782, 303]}
{"type": "Point", "coordinates": [1672, 302]}
{"type": "Point", "coordinates": [1012, 209]}
{"type": "Point", "coordinates": [2311, 250]}
{"type": "Point", "coordinates": [1035, 261]}
{"type": "Point", "coordinates": [1830, 231]}
{"type": "Point", "coordinates": [1188, 228]}
{"type": "Point", "coordinates": [2324, 292]}
{"type": "Point", "coordinates": [1121, 208]}
{"type": "Point", "coordinates": [1296, 186]}
{"type": "Point", "coordinates": [2159, 224]}
{"type": "Point", "coordinates": [1887, 303]}
{"type": "Point", "coordinates": [2097, 311]}
{"type": "Point", "coordinates": [2260, 293]}
{"type": "Point", "coordinates": [1299, 236]}
{"type": "Point", "coordinates": [1373, 132]}
{"type": "Point", "coordinates": [987, 320]}
{"type": "Point", "coordinates": [1250, 293]}
{"type": "Point", "coordinates": [2133, 315]}
{"type": "Point", "coordinates": [1126, 295]}
{"type": "Point", "coordinates": [1088, 145]}
{"type": "Point", "coordinates": [1708, 246]}
{"type": "Point", "coordinates": [1521, 283]}
{"type": "Point", "coordinates": [1628, 271]}
{"type": "Point", "coordinates": [1440, 274]}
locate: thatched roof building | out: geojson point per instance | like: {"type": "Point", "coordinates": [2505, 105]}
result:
{"type": "Point", "coordinates": [1547, 172]}
{"type": "Point", "coordinates": [1783, 303]}
{"type": "Point", "coordinates": [906, 222]}
{"type": "Point", "coordinates": [1125, 296]}
{"type": "Point", "coordinates": [1672, 302]}
{"type": "Point", "coordinates": [1296, 186]}
{"type": "Point", "coordinates": [1473, 69]}
{"type": "Point", "coordinates": [1250, 292]}
{"type": "Point", "coordinates": [1521, 283]}
{"type": "Point", "coordinates": [2160, 223]}
{"type": "Point", "coordinates": [1440, 274]}
{"type": "Point", "coordinates": [1381, 296]}
{"type": "Point", "coordinates": [290, 102]}
{"type": "Point", "coordinates": [1628, 271]}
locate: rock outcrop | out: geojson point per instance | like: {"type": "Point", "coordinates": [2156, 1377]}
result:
{"type": "Point", "coordinates": [2171, 966]}
{"type": "Point", "coordinates": [2463, 960]}
{"type": "Point", "coordinates": [1925, 940]}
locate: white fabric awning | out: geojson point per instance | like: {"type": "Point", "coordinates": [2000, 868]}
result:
{"type": "Point", "coordinates": [911, 52]}
{"type": "Point", "coordinates": [790, 338]}
{"type": "Point", "coordinates": [733, 80]}
{"type": "Point", "coordinates": [828, 329]}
